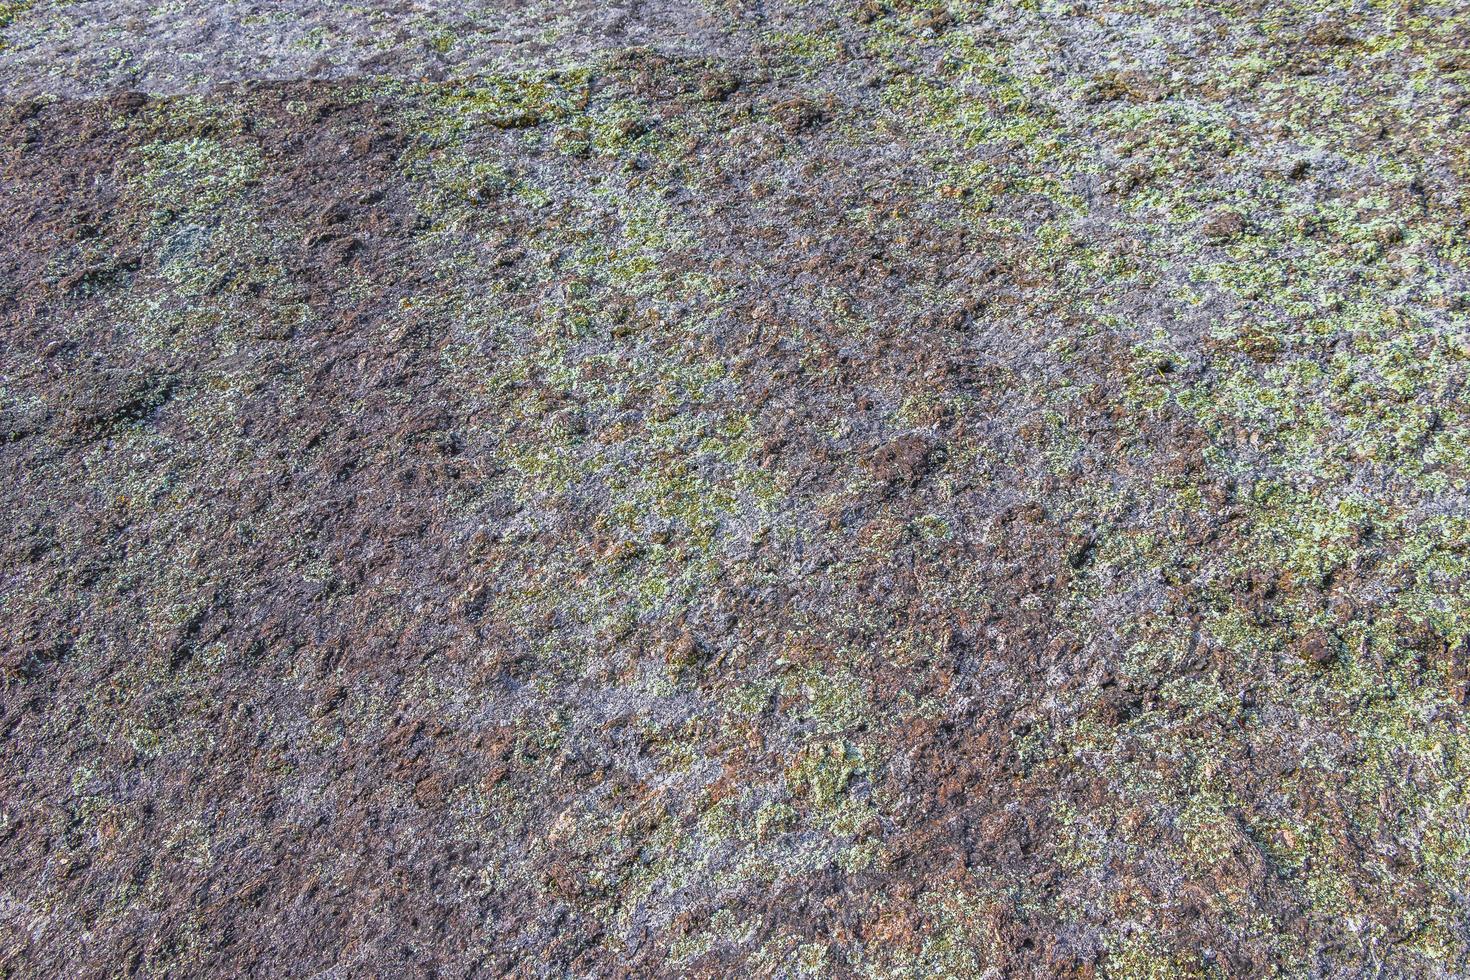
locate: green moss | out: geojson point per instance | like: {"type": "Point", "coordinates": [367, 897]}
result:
{"type": "Point", "coordinates": [821, 773]}
{"type": "Point", "coordinates": [1137, 957]}
{"type": "Point", "coordinates": [10, 10]}
{"type": "Point", "coordinates": [190, 178]}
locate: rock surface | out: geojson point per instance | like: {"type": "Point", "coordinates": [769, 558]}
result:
{"type": "Point", "coordinates": [734, 489]}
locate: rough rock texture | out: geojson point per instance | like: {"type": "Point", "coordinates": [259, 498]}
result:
{"type": "Point", "coordinates": [750, 489]}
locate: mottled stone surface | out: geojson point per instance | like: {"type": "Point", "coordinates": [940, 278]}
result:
{"type": "Point", "coordinates": [691, 489]}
